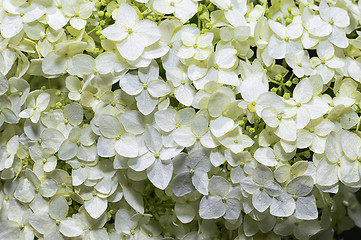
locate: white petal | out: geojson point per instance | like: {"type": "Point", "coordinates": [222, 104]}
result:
{"type": "Point", "coordinates": [277, 28]}
{"type": "Point", "coordinates": [282, 206]}
{"type": "Point", "coordinates": [218, 102]}
{"type": "Point", "coordinates": [200, 181]}
{"type": "Point", "coordinates": [269, 115]}
{"type": "Point", "coordinates": [228, 77]}
{"type": "Point", "coordinates": [160, 174]}
{"type": "Point", "coordinates": [158, 88]}
{"type": "Point", "coordinates": [132, 47]}
{"type": "Point", "coordinates": [56, 19]}
{"type": "Point", "coordinates": [287, 130]}
{"type": "Point", "coordinates": [184, 137]}
{"type": "Point", "coordinates": [325, 50]}
{"type": "Point", "coordinates": [141, 163]}
{"type": "Point", "coordinates": [78, 23]}
{"type": "Point", "coordinates": [70, 228]}
{"type": "Point", "coordinates": [318, 27]}
{"type": "Point", "coordinates": [338, 37]}
{"type": "Point", "coordinates": [233, 209]}
{"type": "Point", "coordinates": [127, 146]}
{"type": "Point", "coordinates": [126, 15]}
{"type": "Point", "coordinates": [303, 91]}
{"type": "Point", "coordinates": [185, 94]}
{"type": "Point", "coordinates": [326, 173]}
{"type": "Point", "coordinates": [294, 30]}
{"type": "Point", "coordinates": [306, 208]}
{"type": "Point", "coordinates": [109, 126]}
{"type": "Point", "coordinates": [211, 207]}
{"type": "Point", "coordinates": [266, 157]}
{"type": "Point", "coordinates": [148, 31]}
{"type": "Point", "coordinates": [152, 139]}
{"type": "Point", "coordinates": [133, 122]}
{"type": "Point", "coordinates": [4, 85]}
{"type": "Point", "coordinates": [52, 138]}
{"type": "Point", "coordinates": [184, 212]}
{"type": "Point", "coordinates": [96, 206]}
{"type": "Point", "coordinates": [115, 32]}
{"type": "Point", "coordinates": [351, 144]}
{"type": "Point", "coordinates": [48, 187]}
{"type": "Point", "coordinates": [81, 64]}
{"type": "Point", "coordinates": [182, 184]}
{"type": "Point", "coordinates": [226, 58]}
{"type": "Point", "coordinates": [166, 119]}
{"type": "Point", "coordinates": [67, 150]}
{"type": "Point", "coordinates": [261, 200]}
{"type": "Point", "coordinates": [11, 25]}
{"type": "Point", "coordinates": [9, 230]}
{"type": "Point", "coordinates": [134, 199]}
{"type": "Point", "coordinates": [300, 186]}
{"type": "Point", "coordinates": [276, 48]}
{"type": "Point", "coordinates": [24, 191]}
{"type": "Point", "coordinates": [58, 207]}
{"type": "Point", "coordinates": [146, 103]}
{"type": "Point", "coordinates": [54, 64]}
{"type": "Point", "coordinates": [105, 147]}
{"type": "Point", "coordinates": [123, 222]}
{"type": "Point", "coordinates": [163, 7]}
{"type": "Point", "coordinates": [74, 113]}
{"type": "Point", "coordinates": [221, 126]}
{"type": "Point", "coordinates": [354, 69]}
{"type": "Point", "coordinates": [349, 172]}
{"type": "Point", "coordinates": [340, 17]}
{"type": "Point", "coordinates": [218, 186]}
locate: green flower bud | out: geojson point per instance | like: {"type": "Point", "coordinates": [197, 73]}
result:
{"type": "Point", "coordinates": [286, 96]}
{"type": "Point", "coordinates": [251, 108]}
{"type": "Point", "coordinates": [288, 21]}
{"type": "Point", "coordinates": [278, 77]}
{"type": "Point", "coordinates": [101, 14]}
{"type": "Point", "coordinates": [98, 5]}
{"type": "Point", "coordinates": [108, 15]}
{"type": "Point", "coordinates": [274, 89]}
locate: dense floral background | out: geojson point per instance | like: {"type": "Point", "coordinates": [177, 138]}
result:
{"type": "Point", "coordinates": [180, 119]}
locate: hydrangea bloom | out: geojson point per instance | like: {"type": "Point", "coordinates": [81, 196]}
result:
{"type": "Point", "coordinates": [179, 119]}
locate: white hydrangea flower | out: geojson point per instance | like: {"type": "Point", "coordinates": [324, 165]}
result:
{"type": "Point", "coordinates": [234, 11]}
{"type": "Point", "coordinates": [131, 34]}
{"type": "Point", "coordinates": [182, 9]}
{"type": "Point", "coordinates": [229, 117]}
{"type": "Point", "coordinates": [286, 39]}
{"type": "Point", "coordinates": [155, 157]}
{"type": "Point", "coordinates": [262, 188]}
{"type": "Point", "coordinates": [146, 86]}
{"type": "Point", "coordinates": [19, 13]}
{"type": "Point", "coordinates": [195, 45]}
{"type": "Point", "coordinates": [57, 61]}
{"type": "Point", "coordinates": [297, 200]}
{"type": "Point", "coordinates": [35, 107]}
{"type": "Point", "coordinates": [326, 62]}
{"type": "Point", "coordinates": [191, 173]}
{"type": "Point", "coordinates": [184, 91]}
{"type": "Point", "coordinates": [6, 113]}
{"type": "Point", "coordinates": [222, 201]}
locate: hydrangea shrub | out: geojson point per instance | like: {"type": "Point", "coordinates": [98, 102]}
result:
{"type": "Point", "coordinates": [179, 119]}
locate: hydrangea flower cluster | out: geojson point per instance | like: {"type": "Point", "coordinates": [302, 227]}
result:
{"type": "Point", "coordinates": [179, 119]}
